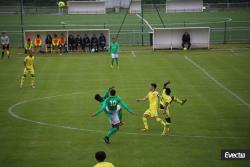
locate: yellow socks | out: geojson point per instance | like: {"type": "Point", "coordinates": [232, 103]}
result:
{"type": "Point", "coordinates": [161, 121]}
{"type": "Point", "coordinates": [145, 122]}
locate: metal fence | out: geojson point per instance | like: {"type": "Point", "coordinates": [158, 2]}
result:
{"type": "Point", "coordinates": [222, 31]}
{"type": "Point", "coordinates": [111, 6]}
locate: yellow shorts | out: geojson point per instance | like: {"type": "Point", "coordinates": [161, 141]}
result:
{"type": "Point", "coordinates": [29, 71]}
{"type": "Point", "coordinates": [151, 113]}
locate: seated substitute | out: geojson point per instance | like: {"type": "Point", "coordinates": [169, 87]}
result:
{"type": "Point", "coordinates": [102, 42]}
{"type": "Point", "coordinates": [55, 43]}
{"type": "Point", "coordinates": [100, 157]}
{"type": "Point", "coordinates": [78, 42]}
{"type": "Point", "coordinates": [86, 43]}
{"type": "Point", "coordinates": [186, 40]}
{"type": "Point", "coordinates": [28, 46]}
{"type": "Point", "coordinates": [38, 43]}
{"type": "Point", "coordinates": [71, 41]}
{"type": "Point", "coordinates": [94, 43]}
{"type": "Point", "coordinates": [62, 44]}
{"type": "Point", "coordinates": [48, 43]}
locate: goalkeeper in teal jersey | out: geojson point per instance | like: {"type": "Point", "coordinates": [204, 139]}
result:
{"type": "Point", "coordinates": [114, 49]}
{"type": "Point", "coordinates": [111, 108]}
{"type": "Point", "coordinates": [102, 98]}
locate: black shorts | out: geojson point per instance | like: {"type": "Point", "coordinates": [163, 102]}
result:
{"type": "Point", "coordinates": [7, 47]}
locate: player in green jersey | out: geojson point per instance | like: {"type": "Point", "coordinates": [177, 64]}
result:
{"type": "Point", "coordinates": [114, 50]}
{"type": "Point", "coordinates": [102, 98]}
{"type": "Point", "coordinates": [111, 108]}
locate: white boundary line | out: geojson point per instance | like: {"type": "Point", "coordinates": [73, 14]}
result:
{"type": "Point", "coordinates": [145, 21]}
{"type": "Point", "coordinates": [217, 82]}
{"type": "Point", "coordinates": [133, 53]}
{"type": "Point", "coordinates": [13, 114]}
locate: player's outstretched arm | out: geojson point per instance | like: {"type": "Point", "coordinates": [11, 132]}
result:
{"type": "Point", "coordinates": [165, 107]}
{"type": "Point", "coordinates": [144, 99]}
{"type": "Point", "coordinates": [124, 105]}
{"type": "Point", "coordinates": [100, 110]}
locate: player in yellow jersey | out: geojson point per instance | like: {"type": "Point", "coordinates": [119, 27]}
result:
{"type": "Point", "coordinates": [153, 98]}
{"type": "Point", "coordinates": [29, 68]}
{"type": "Point", "coordinates": [165, 103]}
{"type": "Point", "coordinates": [100, 157]}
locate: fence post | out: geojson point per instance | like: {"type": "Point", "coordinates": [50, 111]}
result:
{"type": "Point", "coordinates": [225, 32]}
{"type": "Point", "coordinates": [142, 23]}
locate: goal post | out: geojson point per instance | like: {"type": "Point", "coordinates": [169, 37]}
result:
{"type": "Point", "coordinates": [86, 7]}
{"type": "Point", "coordinates": [66, 32]}
{"type": "Point", "coordinates": [171, 38]}
{"type": "Point", "coordinates": [173, 6]}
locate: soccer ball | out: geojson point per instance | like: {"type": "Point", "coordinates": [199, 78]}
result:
{"type": "Point", "coordinates": [61, 4]}
{"type": "Point", "coordinates": [184, 48]}
{"type": "Point", "coordinates": [93, 50]}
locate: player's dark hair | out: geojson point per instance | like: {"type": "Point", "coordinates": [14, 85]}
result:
{"type": "Point", "coordinates": [154, 85]}
{"type": "Point", "coordinates": [98, 97]}
{"type": "Point", "coordinates": [168, 91]}
{"type": "Point", "coordinates": [112, 92]}
{"type": "Point", "coordinates": [100, 156]}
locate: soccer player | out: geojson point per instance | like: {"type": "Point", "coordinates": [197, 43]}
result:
{"type": "Point", "coordinates": [55, 43]}
{"type": "Point", "coordinates": [100, 157]}
{"type": "Point", "coordinates": [102, 42]}
{"type": "Point", "coordinates": [86, 43]}
{"type": "Point", "coordinates": [5, 41]}
{"type": "Point", "coordinates": [153, 98]}
{"type": "Point", "coordinates": [48, 43]}
{"type": "Point", "coordinates": [165, 103]}
{"type": "Point", "coordinates": [38, 43]}
{"type": "Point", "coordinates": [111, 108]}
{"type": "Point", "coordinates": [71, 41]}
{"type": "Point", "coordinates": [114, 49]}
{"type": "Point", "coordinates": [94, 43]}
{"type": "Point", "coordinates": [102, 98]}
{"type": "Point", "coordinates": [28, 46]}
{"type": "Point", "coordinates": [62, 44]}
{"type": "Point", "coordinates": [29, 68]}
{"type": "Point", "coordinates": [78, 41]}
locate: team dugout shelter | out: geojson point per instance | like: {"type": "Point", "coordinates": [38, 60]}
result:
{"type": "Point", "coordinates": [32, 34]}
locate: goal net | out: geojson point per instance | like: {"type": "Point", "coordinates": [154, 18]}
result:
{"type": "Point", "coordinates": [170, 38]}
{"type": "Point", "coordinates": [86, 7]}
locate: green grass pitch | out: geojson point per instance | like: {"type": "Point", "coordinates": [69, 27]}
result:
{"type": "Point", "coordinates": [63, 133]}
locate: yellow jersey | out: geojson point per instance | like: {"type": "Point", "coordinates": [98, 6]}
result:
{"type": "Point", "coordinates": [104, 164]}
{"type": "Point", "coordinates": [165, 99]}
{"type": "Point", "coordinates": [153, 100]}
{"type": "Point", "coordinates": [29, 62]}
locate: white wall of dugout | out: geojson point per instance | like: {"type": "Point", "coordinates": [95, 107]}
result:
{"type": "Point", "coordinates": [173, 6]}
{"type": "Point", "coordinates": [86, 7]}
{"type": "Point", "coordinates": [170, 38]}
{"type": "Point", "coordinates": [43, 33]}
{"type": "Point", "coordinates": [135, 6]}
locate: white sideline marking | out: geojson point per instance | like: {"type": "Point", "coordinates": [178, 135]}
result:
{"type": "Point", "coordinates": [13, 114]}
{"type": "Point", "coordinates": [243, 102]}
{"type": "Point", "coordinates": [145, 21]}
{"type": "Point", "coordinates": [133, 53]}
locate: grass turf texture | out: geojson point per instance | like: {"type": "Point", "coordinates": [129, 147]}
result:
{"type": "Point", "coordinates": [210, 111]}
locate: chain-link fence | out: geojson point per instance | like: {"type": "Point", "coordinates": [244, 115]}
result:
{"type": "Point", "coordinates": [223, 30]}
